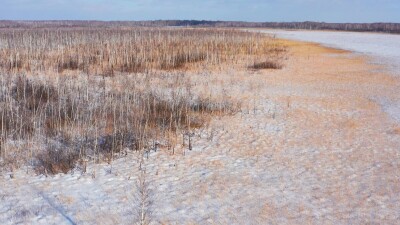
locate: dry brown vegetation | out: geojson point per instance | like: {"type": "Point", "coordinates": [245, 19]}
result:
{"type": "Point", "coordinates": [106, 51]}
{"type": "Point", "coordinates": [269, 64]}
{"type": "Point", "coordinates": [72, 95]}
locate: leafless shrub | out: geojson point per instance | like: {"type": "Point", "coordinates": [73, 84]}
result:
{"type": "Point", "coordinates": [56, 160]}
{"type": "Point", "coordinates": [143, 199]}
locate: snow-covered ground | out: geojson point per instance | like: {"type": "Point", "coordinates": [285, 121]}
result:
{"type": "Point", "coordinates": [383, 49]}
{"type": "Point", "coordinates": [309, 147]}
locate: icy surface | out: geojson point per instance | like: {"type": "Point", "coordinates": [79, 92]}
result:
{"type": "Point", "coordinates": [384, 48]}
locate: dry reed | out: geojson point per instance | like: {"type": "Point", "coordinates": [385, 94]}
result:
{"type": "Point", "coordinates": [72, 95]}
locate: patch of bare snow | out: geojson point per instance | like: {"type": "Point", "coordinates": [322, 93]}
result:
{"type": "Point", "coordinates": [383, 49]}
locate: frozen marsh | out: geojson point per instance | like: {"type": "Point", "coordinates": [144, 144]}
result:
{"type": "Point", "coordinates": [310, 145]}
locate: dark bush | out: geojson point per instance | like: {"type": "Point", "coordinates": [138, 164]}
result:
{"type": "Point", "coordinates": [56, 160]}
{"type": "Point", "coordinates": [266, 65]}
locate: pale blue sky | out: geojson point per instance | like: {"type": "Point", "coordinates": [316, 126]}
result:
{"type": "Point", "coordinates": [243, 10]}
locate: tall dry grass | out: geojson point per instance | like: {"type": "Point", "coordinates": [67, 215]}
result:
{"type": "Point", "coordinates": [106, 51]}
{"type": "Point", "coordinates": [72, 95]}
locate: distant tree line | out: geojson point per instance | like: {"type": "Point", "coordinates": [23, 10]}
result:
{"type": "Point", "coordinates": [361, 27]}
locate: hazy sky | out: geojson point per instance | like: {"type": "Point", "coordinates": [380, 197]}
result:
{"type": "Point", "coordinates": [244, 10]}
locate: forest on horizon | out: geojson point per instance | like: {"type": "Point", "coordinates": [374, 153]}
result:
{"type": "Point", "coordinates": [308, 25]}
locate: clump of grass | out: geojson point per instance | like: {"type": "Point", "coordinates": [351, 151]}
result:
{"type": "Point", "coordinates": [269, 64]}
{"type": "Point", "coordinates": [53, 161]}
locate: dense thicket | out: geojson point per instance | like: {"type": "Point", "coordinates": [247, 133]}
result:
{"type": "Point", "coordinates": [104, 51]}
